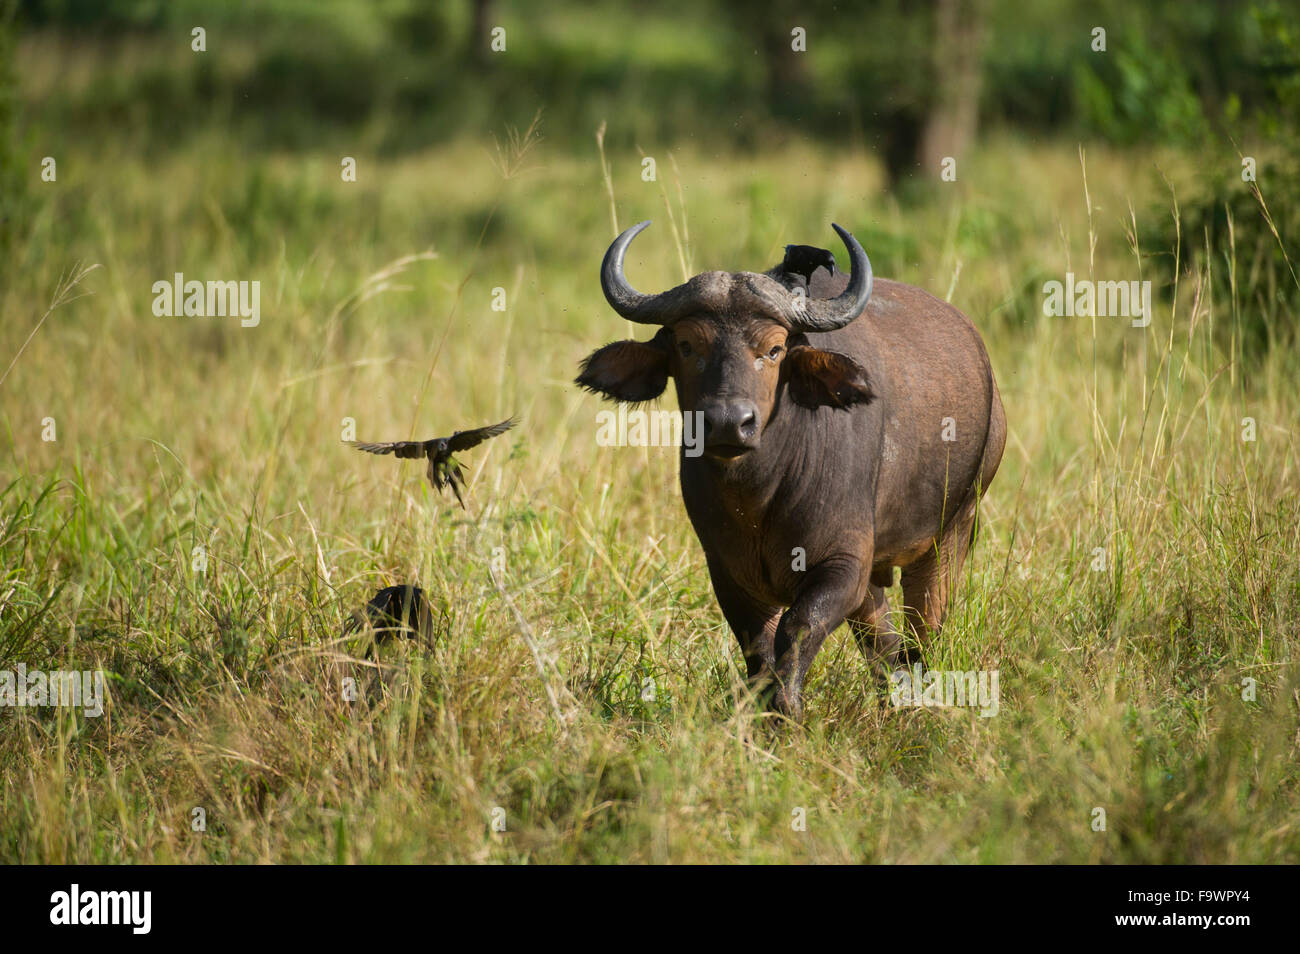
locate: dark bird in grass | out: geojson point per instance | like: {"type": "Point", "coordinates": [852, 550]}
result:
{"type": "Point", "coordinates": [444, 470]}
{"type": "Point", "coordinates": [395, 610]}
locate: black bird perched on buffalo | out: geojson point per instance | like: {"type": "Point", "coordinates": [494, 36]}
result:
{"type": "Point", "coordinates": [806, 259]}
{"type": "Point", "coordinates": [444, 470]}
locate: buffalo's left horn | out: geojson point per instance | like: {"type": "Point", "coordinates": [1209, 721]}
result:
{"type": "Point", "coordinates": [622, 297]}
{"type": "Point", "coordinates": [829, 314]}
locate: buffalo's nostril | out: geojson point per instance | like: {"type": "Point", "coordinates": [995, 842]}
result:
{"type": "Point", "coordinates": [749, 425]}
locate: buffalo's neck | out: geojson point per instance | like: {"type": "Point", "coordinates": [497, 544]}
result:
{"type": "Point", "coordinates": [748, 485]}
{"type": "Point", "coordinates": [770, 491]}
{"type": "Point", "coordinates": [766, 518]}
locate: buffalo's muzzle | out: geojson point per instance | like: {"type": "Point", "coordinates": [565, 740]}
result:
{"type": "Point", "coordinates": [731, 428]}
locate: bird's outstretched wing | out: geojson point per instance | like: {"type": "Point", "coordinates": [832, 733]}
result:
{"type": "Point", "coordinates": [406, 449]}
{"type": "Point", "coordinates": [464, 440]}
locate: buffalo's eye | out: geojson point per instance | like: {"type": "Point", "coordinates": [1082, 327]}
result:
{"type": "Point", "coordinates": [684, 347]}
{"type": "Point", "coordinates": [775, 352]}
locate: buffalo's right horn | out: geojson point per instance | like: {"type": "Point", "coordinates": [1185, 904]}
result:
{"type": "Point", "coordinates": [622, 297]}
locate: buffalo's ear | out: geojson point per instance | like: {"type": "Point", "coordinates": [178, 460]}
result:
{"type": "Point", "coordinates": [628, 370]}
{"type": "Point", "coordinates": [820, 378]}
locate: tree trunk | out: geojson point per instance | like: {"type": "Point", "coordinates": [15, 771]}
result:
{"type": "Point", "coordinates": [954, 113]}
{"type": "Point", "coordinates": [480, 26]}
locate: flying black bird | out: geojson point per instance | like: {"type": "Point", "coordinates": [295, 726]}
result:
{"type": "Point", "coordinates": [805, 259]}
{"type": "Point", "coordinates": [444, 470]}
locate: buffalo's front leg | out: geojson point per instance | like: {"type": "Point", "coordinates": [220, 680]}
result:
{"type": "Point", "coordinates": [834, 589]}
{"type": "Point", "coordinates": [754, 624]}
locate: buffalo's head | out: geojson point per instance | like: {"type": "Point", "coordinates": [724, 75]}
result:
{"type": "Point", "coordinates": [734, 343]}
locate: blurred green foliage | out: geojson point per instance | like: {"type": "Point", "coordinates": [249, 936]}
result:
{"type": "Point", "coordinates": [1246, 227]}
{"type": "Point", "coordinates": [1215, 79]}
{"type": "Point", "coordinates": [13, 172]}
{"type": "Point", "coordinates": [411, 72]}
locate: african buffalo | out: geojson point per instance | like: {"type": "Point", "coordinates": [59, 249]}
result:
{"type": "Point", "coordinates": [834, 449]}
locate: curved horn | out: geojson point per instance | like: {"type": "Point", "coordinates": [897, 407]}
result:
{"type": "Point", "coordinates": [622, 297]}
{"type": "Point", "coordinates": [829, 314]}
